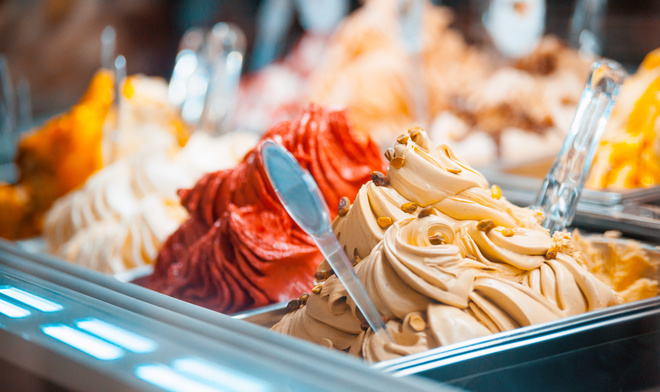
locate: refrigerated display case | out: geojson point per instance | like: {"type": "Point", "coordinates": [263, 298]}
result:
{"type": "Point", "coordinates": [63, 327]}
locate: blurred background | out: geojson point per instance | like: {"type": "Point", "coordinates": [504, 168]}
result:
{"type": "Point", "coordinates": [55, 45]}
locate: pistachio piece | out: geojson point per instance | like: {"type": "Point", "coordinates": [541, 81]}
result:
{"type": "Point", "coordinates": [427, 212]}
{"type": "Point", "coordinates": [317, 289]}
{"type": "Point", "coordinates": [414, 133]}
{"type": "Point", "coordinates": [485, 225]}
{"type": "Point", "coordinates": [417, 323]}
{"type": "Point", "coordinates": [303, 298]}
{"type": "Point", "coordinates": [495, 192]}
{"type": "Point", "coordinates": [551, 253]}
{"type": "Point", "coordinates": [397, 162]}
{"type": "Point", "coordinates": [437, 239]}
{"type": "Point", "coordinates": [379, 178]}
{"type": "Point", "coordinates": [385, 221]}
{"type": "Point", "coordinates": [323, 275]}
{"type": "Point", "coordinates": [344, 205]}
{"type": "Point", "coordinates": [409, 208]}
{"type": "Point", "coordinates": [293, 305]}
{"type": "Point", "coordinates": [389, 154]}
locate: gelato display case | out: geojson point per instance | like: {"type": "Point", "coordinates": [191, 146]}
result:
{"type": "Point", "coordinates": [401, 196]}
{"type": "Point", "coordinates": [66, 328]}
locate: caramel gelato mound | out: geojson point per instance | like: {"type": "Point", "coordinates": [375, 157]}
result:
{"type": "Point", "coordinates": [621, 264]}
{"type": "Point", "coordinates": [465, 263]}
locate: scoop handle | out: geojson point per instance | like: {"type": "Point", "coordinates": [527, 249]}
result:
{"type": "Point", "coordinates": [563, 184]}
{"type": "Point", "coordinates": [336, 257]}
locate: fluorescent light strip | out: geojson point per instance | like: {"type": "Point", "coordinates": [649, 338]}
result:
{"type": "Point", "coordinates": [227, 378]}
{"type": "Point", "coordinates": [97, 348]}
{"type": "Point", "coordinates": [119, 336]}
{"type": "Point", "coordinates": [170, 380]}
{"type": "Point", "coordinates": [30, 299]}
{"type": "Point", "coordinates": [13, 311]}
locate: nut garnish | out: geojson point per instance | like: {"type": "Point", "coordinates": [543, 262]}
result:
{"type": "Point", "coordinates": [437, 239]}
{"type": "Point", "coordinates": [294, 304]}
{"type": "Point", "coordinates": [454, 170]}
{"type": "Point", "coordinates": [303, 298]}
{"type": "Point", "coordinates": [397, 162]}
{"type": "Point", "coordinates": [417, 323]}
{"type": "Point", "coordinates": [485, 225]}
{"type": "Point", "coordinates": [379, 178]}
{"type": "Point", "coordinates": [403, 138]}
{"type": "Point", "coordinates": [507, 232]}
{"type": "Point", "coordinates": [414, 133]}
{"type": "Point", "coordinates": [317, 289]}
{"type": "Point", "coordinates": [364, 326]}
{"type": "Point", "coordinates": [323, 275]}
{"type": "Point", "coordinates": [409, 208]}
{"type": "Point", "coordinates": [389, 154]}
{"type": "Point", "coordinates": [551, 253]}
{"type": "Point", "coordinates": [344, 205]}
{"type": "Point", "coordinates": [385, 221]}
{"type": "Point", "coordinates": [427, 212]}
{"type": "Point", "coordinates": [356, 260]}
{"type": "Point", "coordinates": [495, 192]}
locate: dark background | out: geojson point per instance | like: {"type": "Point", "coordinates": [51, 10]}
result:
{"type": "Point", "coordinates": [55, 44]}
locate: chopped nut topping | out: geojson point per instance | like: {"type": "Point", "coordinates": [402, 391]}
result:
{"type": "Point", "coordinates": [551, 253]}
{"type": "Point", "coordinates": [385, 221]}
{"type": "Point", "coordinates": [409, 208]}
{"type": "Point", "coordinates": [397, 162]}
{"type": "Point", "coordinates": [495, 192]}
{"type": "Point", "coordinates": [317, 289]}
{"type": "Point", "coordinates": [437, 239]}
{"type": "Point", "coordinates": [364, 326]}
{"type": "Point", "coordinates": [507, 232]}
{"type": "Point", "coordinates": [344, 205]}
{"type": "Point", "coordinates": [454, 170]}
{"type": "Point", "coordinates": [294, 304]}
{"type": "Point", "coordinates": [485, 225]}
{"type": "Point", "coordinates": [417, 323]}
{"type": "Point", "coordinates": [389, 154]}
{"type": "Point", "coordinates": [379, 178]}
{"type": "Point", "coordinates": [414, 133]}
{"type": "Point", "coordinates": [403, 138]}
{"type": "Point", "coordinates": [323, 275]}
{"type": "Point", "coordinates": [427, 212]}
{"type": "Point", "coordinates": [356, 260]}
{"type": "Point", "coordinates": [303, 298]}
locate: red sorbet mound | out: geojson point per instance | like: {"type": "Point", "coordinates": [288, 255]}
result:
{"type": "Point", "coordinates": [240, 249]}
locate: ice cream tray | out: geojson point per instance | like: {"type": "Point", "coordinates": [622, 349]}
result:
{"type": "Point", "coordinates": [616, 348]}
{"type": "Point", "coordinates": [634, 212]}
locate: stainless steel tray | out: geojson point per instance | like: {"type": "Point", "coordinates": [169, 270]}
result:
{"type": "Point", "coordinates": [526, 180]}
{"type": "Point", "coordinates": [616, 348]}
{"type": "Point", "coordinates": [624, 211]}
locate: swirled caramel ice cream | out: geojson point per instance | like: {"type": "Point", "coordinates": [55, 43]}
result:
{"type": "Point", "coordinates": [445, 259]}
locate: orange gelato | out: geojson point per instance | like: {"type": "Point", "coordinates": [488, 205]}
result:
{"type": "Point", "coordinates": [239, 249]}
